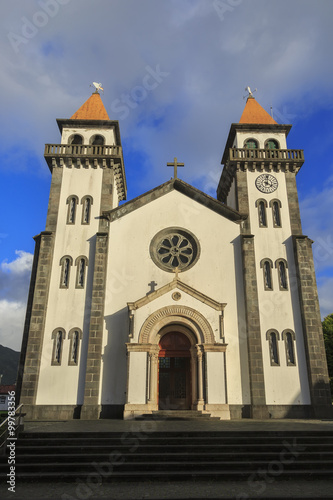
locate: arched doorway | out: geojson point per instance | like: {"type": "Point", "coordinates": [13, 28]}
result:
{"type": "Point", "coordinates": [174, 372]}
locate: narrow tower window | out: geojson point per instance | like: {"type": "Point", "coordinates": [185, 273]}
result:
{"type": "Point", "coordinates": [273, 336]}
{"type": "Point", "coordinates": [58, 337]}
{"type": "Point", "coordinates": [75, 139]}
{"type": "Point", "coordinates": [75, 335]}
{"type": "Point", "coordinates": [267, 265]}
{"type": "Point", "coordinates": [281, 265]}
{"type": "Point", "coordinates": [289, 339]}
{"type": "Point", "coordinates": [71, 212]}
{"type": "Point", "coordinates": [97, 140]}
{"type": "Point", "coordinates": [251, 144]}
{"type": "Point", "coordinates": [272, 144]}
{"type": "Point", "coordinates": [81, 264]}
{"type": "Point", "coordinates": [261, 205]}
{"type": "Point", "coordinates": [276, 205]}
{"type": "Point", "coordinates": [65, 263]}
{"type": "Point", "coordinates": [86, 209]}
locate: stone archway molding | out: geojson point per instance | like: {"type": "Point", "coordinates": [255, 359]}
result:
{"type": "Point", "coordinates": [149, 333]}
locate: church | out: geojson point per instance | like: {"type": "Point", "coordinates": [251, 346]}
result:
{"type": "Point", "coordinates": [174, 300]}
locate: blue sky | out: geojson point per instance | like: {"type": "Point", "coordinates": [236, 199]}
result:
{"type": "Point", "coordinates": [174, 74]}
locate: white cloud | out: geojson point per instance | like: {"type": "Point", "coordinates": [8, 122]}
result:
{"type": "Point", "coordinates": [20, 265]}
{"type": "Point", "coordinates": [14, 285]}
{"type": "Point", "coordinates": [12, 321]}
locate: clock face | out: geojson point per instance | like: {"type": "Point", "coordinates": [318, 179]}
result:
{"type": "Point", "coordinates": [266, 183]}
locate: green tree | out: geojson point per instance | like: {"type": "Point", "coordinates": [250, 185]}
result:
{"type": "Point", "coordinates": [328, 339]}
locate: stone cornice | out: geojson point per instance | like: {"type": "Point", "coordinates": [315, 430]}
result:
{"type": "Point", "coordinates": [182, 187]}
{"type": "Point", "coordinates": [180, 285]}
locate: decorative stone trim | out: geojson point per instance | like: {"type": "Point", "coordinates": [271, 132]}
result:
{"type": "Point", "coordinates": [66, 263]}
{"type": "Point", "coordinates": [176, 283]}
{"type": "Point", "coordinates": [267, 273]}
{"type": "Point", "coordinates": [214, 347]}
{"type": "Point", "coordinates": [277, 221]}
{"type": "Point", "coordinates": [156, 320]}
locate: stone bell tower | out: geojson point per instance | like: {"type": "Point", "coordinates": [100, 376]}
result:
{"type": "Point", "coordinates": [282, 308]}
{"type": "Point", "coordinates": [65, 306]}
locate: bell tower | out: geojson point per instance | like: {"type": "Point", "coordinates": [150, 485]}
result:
{"type": "Point", "coordinates": [283, 324]}
{"type": "Point", "coordinates": [65, 305]}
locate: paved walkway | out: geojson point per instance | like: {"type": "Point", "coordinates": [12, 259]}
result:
{"type": "Point", "coordinates": [245, 425]}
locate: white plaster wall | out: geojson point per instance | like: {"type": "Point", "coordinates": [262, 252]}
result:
{"type": "Point", "coordinates": [69, 308]}
{"type": "Point", "coordinates": [217, 274]}
{"type": "Point", "coordinates": [278, 309]}
{"type": "Point", "coordinates": [87, 133]}
{"type": "Point", "coordinates": [137, 378]}
{"type": "Point", "coordinates": [215, 378]}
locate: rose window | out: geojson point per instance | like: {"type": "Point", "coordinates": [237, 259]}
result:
{"type": "Point", "coordinates": [174, 248]}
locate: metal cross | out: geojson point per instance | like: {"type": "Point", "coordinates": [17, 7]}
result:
{"type": "Point", "coordinates": [175, 164]}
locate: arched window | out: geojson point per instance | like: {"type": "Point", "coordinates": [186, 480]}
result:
{"type": "Point", "coordinates": [273, 337]}
{"type": "Point", "coordinates": [86, 202]}
{"type": "Point", "coordinates": [97, 140]}
{"type": "Point", "coordinates": [276, 205]}
{"type": "Point", "coordinates": [272, 144]}
{"type": "Point", "coordinates": [251, 144]}
{"type": "Point", "coordinates": [75, 139]}
{"type": "Point", "coordinates": [72, 202]}
{"type": "Point", "coordinates": [267, 265]}
{"type": "Point", "coordinates": [281, 265]}
{"type": "Point", "coordinates": [81, 266]}
{"type": "Point", "coordinates": [289, 339]}
{"type": "Point", "coordinates": [58, 337]}
{"type": "Point", "coordinates": [262, 217]}
{"type": "Point", "coordinates": [75, 336]}
{"type": "Point", "coordinates": [65, 263]}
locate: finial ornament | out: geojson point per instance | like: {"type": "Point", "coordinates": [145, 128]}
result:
{"type": "Point", "coordinates": [98, 86]}
{"type": "Point", "coordinates": [250, 93]}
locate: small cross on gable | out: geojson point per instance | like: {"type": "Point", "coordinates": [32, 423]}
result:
{"type": "Point", "coordinates": [175, 164]}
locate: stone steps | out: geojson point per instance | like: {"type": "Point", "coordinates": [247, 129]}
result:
{"type": "Point", "coordinates": [176, 415]}
{"type": "Point", "coordinates": [225, 455]}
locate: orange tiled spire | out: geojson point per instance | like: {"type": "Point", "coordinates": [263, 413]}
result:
{"type": "Point", "coordinates": [254, 113]}
{"type": "Point", "coordinates": [92, 109]}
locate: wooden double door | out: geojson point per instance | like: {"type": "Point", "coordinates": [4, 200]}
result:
{"type": "Point", "coordinates": [174, 373]}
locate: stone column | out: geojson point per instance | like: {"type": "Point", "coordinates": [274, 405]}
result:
{"type": "Point", "coordinates": [312, 329]}
{"type": "Point", "coordinates": [201, 401]}
{"type": "Point", "coordinates": [194, 377]}
{"type": "Point", "coordinates": [256, 366]}
{"type": "Point", "coordinates": [32, 342]}
{"type": "Point", "coordinates": [153, 396]}
{"type": "Point", "coordinates": [91, 407]}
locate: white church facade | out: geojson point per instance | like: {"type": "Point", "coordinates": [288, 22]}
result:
{"type": "Point", "coordinates": [174, 300]}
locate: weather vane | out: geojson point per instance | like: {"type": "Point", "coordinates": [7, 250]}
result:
{"type": "Point", "coordinates": [250, 93]}
{"type": "Point", "coordinates": [98, 86]}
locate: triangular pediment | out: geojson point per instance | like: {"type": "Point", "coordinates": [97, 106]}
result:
{"type": "Point", "coordinates": [176, 283]}
{"type": "Point", "coordinates": [185, 189]}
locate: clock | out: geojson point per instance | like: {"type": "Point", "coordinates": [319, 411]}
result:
{"type": "Point", "coordinates": [266, 183]}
